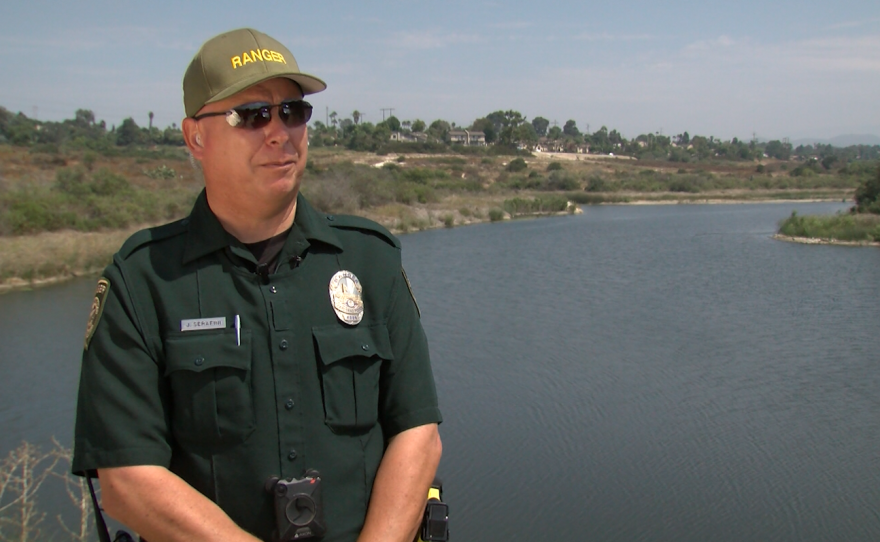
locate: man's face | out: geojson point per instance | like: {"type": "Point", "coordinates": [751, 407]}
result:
{"type": "Point", "coordinates": [252, 170]}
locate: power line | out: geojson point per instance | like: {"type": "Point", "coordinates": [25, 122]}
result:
{"type": "Point", "coordinates": [384, 109]}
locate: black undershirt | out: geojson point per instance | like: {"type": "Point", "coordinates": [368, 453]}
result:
{"type": "Point", "coordinates": [266, 252]}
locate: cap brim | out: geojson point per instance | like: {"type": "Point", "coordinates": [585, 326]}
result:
{"type": "Point", "coordinates": [308, 83]}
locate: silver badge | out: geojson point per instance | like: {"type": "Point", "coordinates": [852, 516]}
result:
{"type": "Point", "coordinates": [345, 296]}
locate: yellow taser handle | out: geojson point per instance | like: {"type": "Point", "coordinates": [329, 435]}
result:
{"type": "Point", "coordinates": [434, 493]}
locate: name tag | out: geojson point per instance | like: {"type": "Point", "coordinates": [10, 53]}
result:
{"type": "Point", "coordinates": [197, 324]}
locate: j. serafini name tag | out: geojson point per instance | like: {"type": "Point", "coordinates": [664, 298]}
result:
{"type": "Point", "coordinates": [197, 324]}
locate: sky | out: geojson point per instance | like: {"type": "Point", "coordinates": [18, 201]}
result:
{"type": "Point", "coordinates": [766, 69]}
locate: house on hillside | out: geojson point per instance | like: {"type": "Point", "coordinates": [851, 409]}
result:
{"type": "Point", "coordinates": [549, 145]}
{"type": "Point", "coordinates": [467, 138]}
{"type": "Point", "coordinates": [409, 137]}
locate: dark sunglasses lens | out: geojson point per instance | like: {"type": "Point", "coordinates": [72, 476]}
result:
{"type": "Point", "coordinates": [255, 116]}
{"type": "Point", "coordinates": [295, 113]}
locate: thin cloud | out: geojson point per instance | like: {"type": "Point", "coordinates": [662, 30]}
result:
{"type": "Point", "coordinates": [95, 38]}
{"type": "Point", "coordinates": [854, 24]}
{"type": "Point", "coordinates": [613, 37]}
{"type": "Point", "coordinates": [430, 40]}
{"type": "Point", "coordinates": [513, 25]}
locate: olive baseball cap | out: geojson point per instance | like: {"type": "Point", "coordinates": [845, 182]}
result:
{"type": "Point", "coordinates": [236, 60]}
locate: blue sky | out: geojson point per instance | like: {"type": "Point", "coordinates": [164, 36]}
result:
{"type": "Point", "coordinates": [729, 69]}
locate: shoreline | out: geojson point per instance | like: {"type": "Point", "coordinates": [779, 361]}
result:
{"type": "Point", "coordinates": [84, 248]}
{"type": "Point", "coordinates": [820, 241]}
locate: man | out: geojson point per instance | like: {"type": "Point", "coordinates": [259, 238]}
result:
{"type": "Point", "coordinates": [256, 338]}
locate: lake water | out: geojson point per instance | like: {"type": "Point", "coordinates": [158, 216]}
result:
{"type": "Point", "coordinates": [635, 373]}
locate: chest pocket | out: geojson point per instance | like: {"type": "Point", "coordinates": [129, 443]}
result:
{"type": "Point", "coordinates": [350, 362]}
{"type": "Point", "coordinates": [210, 379]}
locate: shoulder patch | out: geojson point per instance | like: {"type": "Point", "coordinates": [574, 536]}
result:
{"type": "Point", "coordinates": [411, 294]}
{"type": "Point", "coordinates": [97, 309]}
{"type": "Point", "coordinates": [365, 224]}
{"type": "Point", "coordinates": [143, 237]}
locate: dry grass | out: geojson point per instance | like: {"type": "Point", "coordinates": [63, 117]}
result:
{"type": "Point", "coordinates": [50, 257]}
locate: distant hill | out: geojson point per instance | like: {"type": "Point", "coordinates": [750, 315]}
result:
{"type": "Point", "coordinates": [841, 140]}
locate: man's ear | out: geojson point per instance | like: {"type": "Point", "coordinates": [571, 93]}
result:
{"type": "Point", "coordinates": [192, 137]}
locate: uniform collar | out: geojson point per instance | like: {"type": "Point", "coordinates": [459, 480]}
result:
{"type": "Point", "coordinates": [205, 233]}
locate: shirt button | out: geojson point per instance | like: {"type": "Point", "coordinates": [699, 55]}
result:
{"type": "Point", "coordinates": [288, 404]}
{"type": "Point", "coordinates": [199, 361]}
{"type": "Point", "coordinates": [365, 347]}
{"type": "Point", "coordinates": [292, 455]}
{"type": "Point", "coordinates": [283, 344]}
{"type": "Point", "coordinates": [273, 289]}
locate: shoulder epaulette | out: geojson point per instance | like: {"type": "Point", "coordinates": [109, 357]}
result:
{"type": "Point", "coordinates": [151, 235]}
{"type": "Point", "coordinates": [360, 223]}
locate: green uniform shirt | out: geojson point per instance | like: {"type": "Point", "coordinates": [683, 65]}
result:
{"type": "Point", "coordinates": [299, 390]}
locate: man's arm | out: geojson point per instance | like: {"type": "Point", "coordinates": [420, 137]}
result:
{"type": "Point", "coordinates": [160, 506]}
{"type": "Point", "coordinates": [401, 486]}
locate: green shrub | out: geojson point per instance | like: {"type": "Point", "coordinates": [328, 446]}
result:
{"type": "Point", "coordinates": [596, 184]}
{"type": "Point", "coordinates": [841, 226]}
{"type": "Point", "coordinates": [72, 181]}
{"type": "Point", "coordinates": [554, 166]}
{"type": "Point", "coordinates": [89, 159]}
{"type": "Point", "coordinates": [448, 220]}
{"type": "Point", "coordinates": [516, 165]}
{"type": "Point", "coordinates": [107, 183]}
{"type": "Point", "coordinates": [161, 172]}
{"type": "Point", "coordinates": [867, 195]}
{"type": "Point", "coordinates": [559, 180]}
{"type": "Point", "coordinates": [496, 214]}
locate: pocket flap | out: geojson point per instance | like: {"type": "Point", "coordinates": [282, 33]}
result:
{"type": "Point", "coordinates": [335, 343]}
{"type": "Point", "coordinates": [197, 352]}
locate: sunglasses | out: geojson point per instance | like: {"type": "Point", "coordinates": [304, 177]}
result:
{"type": "Point", "coordinates": [292, 113]}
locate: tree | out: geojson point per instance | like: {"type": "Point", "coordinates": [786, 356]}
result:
{"type": "Point", "coordinates": [554, 133]}
{"type": "Point", "coordinates": [506, 122]}
{"type": "Point", "coordinates": [777, 149]}
{"type": "Point", "coordinates": [151, 122]}
{"type": "Point", "coordinates": [868, 195]}
{"type": "Point", "coordinates": [570, 129]}
{"type": "Point", "coordinates": [485, 125]}
{"type": "Point", "coordinates": [393, 123]}
{"type": "Point", "coordinates": [356, 116]}
{"type": "Point", "coordinates": [418, 125]}
{"type": "Point", "coordinates": [525, 133]}
{"type": "Point", "coordinates": [84, 118]}
{"type": "Point", "coordinates": [438, 129]}
{"type": "Point", "coordinates": [829, 161]}
{"type": "Point", "coordinates": [540, 125]}
{"type": "Point", "coordinates": [682, 140]}
{"type": "Point", "coordinates": [128, 133]}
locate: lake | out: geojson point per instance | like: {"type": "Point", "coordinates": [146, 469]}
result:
{"type": "Point", "coordinates": [650, 373]}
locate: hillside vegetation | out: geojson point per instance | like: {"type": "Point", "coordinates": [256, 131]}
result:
{"type": "Point", "coordinates": [70, 190]}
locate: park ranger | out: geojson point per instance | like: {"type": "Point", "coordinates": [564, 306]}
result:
{"type": "Point", "coordinates": [257, 339]}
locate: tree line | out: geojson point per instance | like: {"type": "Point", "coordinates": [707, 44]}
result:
{"type": "Point", "coordinates": [506, 132]}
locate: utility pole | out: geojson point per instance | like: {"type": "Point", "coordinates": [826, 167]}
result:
{"type": "Point", "coordinates": [384, 109]}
